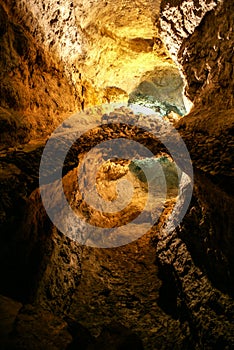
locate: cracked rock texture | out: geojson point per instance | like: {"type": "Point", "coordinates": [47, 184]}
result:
{"type": "Point", "coordinates": [206, 58]}
{"type": "Point", "coordinates": [170, 289]}
{"type": "Point", "coordinates": [58, 57]}
{"type": "Point", "coordinates": [202, 244]}
{"type": "Point", "coordinates": [35, 93]}
{"type": "Point", "coordinates": [90, 35]}
{"type": "Point", "coordinates": [180, 18]}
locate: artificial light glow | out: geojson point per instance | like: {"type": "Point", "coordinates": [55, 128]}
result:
{"type": "Point", "coordinates": [138, 109]}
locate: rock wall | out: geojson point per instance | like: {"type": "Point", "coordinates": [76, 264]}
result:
{"type": "Point", "coordinates": [205, 53]}
{"type": "Point", "coordinates": [206, 59]}
{"type": "Point", "coordinates": [35, 92]}
{"type": "Point", "coordinates": [52, 24]}
{"type": "Point", "coordinates": [179, 19]}
{"type": "Point", "coordinates": [199, 35]}
{"type": "Point", "coordinates": [58, 57]}
{"type": "Point", "coordinates": [54, 260]}
{"type": "Point", "coordinates": [40, 84]}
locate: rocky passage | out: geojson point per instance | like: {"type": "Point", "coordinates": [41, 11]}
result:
{"type": "Point", "coordinates": [172, 288]}
{"type": "Point", "coordinates": [103, 59]}
{"type": "Point", "coordinates": [140, 287]}
{"type": "Point", "coordinates": [94, 287]}
{"type": "Point", "coordinates": [122, 286]}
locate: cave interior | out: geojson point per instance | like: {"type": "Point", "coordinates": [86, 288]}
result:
{"type": "Point", "coordinates": [135, 100]}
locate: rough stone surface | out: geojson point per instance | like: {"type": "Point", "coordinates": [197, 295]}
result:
{"type": "Point", "coordinates": [60, 57]}
{"type": "Point", "coordinates": [8, 310]}
{"type": "Point", "coordinates": [116, 336]}
{"type": "Point", "coordinates": [98, 42]}
{"type": "Point", "coordinates": [35, 328]}
{"type": "Point", "coordinates": [184, 299]}
{"type": "Point", "coordinates": [211, 119]}
{"type": "Point", "coordinates": [35, 93]}
{"type": "Point", "coordinates": [161, 90]}
{"type": "Point", "coordinates": [207, 60]}
{"type": "Point", "coordinates": [122, 285]}
{"type": "Point", "coordinates": [179, 18]}
{"type": "Point", "coordinates": [205, 55]}
{"type": "Point", "coordinates": [36, 257]}
{"type": "Point", "coordinates": [201, 246]}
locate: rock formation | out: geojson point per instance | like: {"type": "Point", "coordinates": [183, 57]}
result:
{"type": "Point", "coordinates": [169, 289]}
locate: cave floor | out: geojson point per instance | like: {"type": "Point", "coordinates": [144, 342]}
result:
{"type": "Point", "coordinates": [118, 285]}
{"type": "Point", "coordinates": [121, 285]}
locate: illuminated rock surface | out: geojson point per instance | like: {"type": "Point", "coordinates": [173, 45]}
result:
{"type": "Point", "coordinates": [166, 290]}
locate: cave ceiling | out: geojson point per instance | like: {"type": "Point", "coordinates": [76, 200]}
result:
{"type": "Point", "coordinates": [107, 43]}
